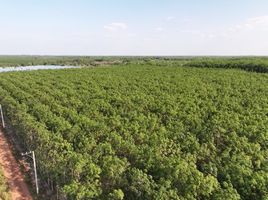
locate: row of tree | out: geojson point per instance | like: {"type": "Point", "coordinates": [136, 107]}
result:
{"type": "Point", "coordinates": [143, 132]}
{"type": "Point", "coordinates": [259, 65]}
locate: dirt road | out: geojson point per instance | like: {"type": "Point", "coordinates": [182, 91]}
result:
{"type": "Point", "coordinates": [12, 173]}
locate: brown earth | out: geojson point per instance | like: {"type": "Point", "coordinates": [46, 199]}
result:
{"type": "Point", "coordinates": [17, 187]}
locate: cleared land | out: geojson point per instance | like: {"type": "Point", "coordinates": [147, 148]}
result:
{"type": "Point", "coordinates": [18, 189]}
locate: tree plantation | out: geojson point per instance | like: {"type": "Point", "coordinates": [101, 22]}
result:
{"type": "Point", "coordinates": [144, 131]}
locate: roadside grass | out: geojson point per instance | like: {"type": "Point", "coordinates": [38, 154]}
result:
{"type": "Point", "coordinates": [4, 191]}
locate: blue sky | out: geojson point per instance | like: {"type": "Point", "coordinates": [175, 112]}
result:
{"type": "Point", "coordinates": [134, 27]}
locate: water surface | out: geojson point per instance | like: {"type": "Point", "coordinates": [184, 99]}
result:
{"type": "Point", "coordinates": [36, 67]}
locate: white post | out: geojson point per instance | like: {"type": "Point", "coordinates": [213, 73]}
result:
{"type": "Point", "coordinates": [35, 173]}
{"type": "Point", "coordinates": [2, 117]}
{"type": "Point", "coordinates": [34, 165]}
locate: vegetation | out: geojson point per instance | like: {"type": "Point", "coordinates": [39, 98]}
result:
{"type": "Point", "coordinates": [142, 131]}
{"type": "Point", "coordinates": [4, 195]}
{"type": "Point", "coordinates": [254, 64]}
{"type": "Point", "coordinates": [249, 64]}
{"type": "Point", "coordinates": [10, 61]}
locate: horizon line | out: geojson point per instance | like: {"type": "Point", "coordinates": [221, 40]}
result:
{"type": "Point", "coordinates": [107, 55]}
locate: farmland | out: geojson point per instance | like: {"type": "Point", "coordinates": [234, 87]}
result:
{"type": "Point", "coordinates": [145, 128]}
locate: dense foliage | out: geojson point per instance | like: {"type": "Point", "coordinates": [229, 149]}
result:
{"type": "Point", "coordinates": [144, 132]}
{"type": "Point", "coordinates": [10, 61]}
{"type": "Point", "coordinates": [258, 64]}
{"type": "Point", "coordinates": [4, 195]}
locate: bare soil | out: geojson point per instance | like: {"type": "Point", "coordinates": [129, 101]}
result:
{"type": "Point", "coordinates": [17, 187]}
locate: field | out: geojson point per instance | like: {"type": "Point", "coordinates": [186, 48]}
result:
{"type": "Point", "coordinates": [145, 128]}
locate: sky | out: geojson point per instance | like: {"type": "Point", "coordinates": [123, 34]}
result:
{"type": "Point", "coordinates": [134, 27]}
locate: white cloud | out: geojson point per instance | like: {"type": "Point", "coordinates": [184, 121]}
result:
{"type": "Point", "coordinates": [170, 18]}
{"type": "Point", "coordinates": [132, 35]}
{"type": "Point", "coordinates": [260, 22]}
{"type": "Point", "coordinates": [198, 33]}
{"type": "Point", "coordinates": [116, 26]}
{"type": "Point", "coordinates": [159, 29]}
{"type": "Point", "coordinates": [249, 28]}
{"type": "Point", "coordinates": [186, 20]}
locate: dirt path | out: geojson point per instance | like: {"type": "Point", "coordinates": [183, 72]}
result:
{"type": "Point", "coordinates": [12, 173]}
